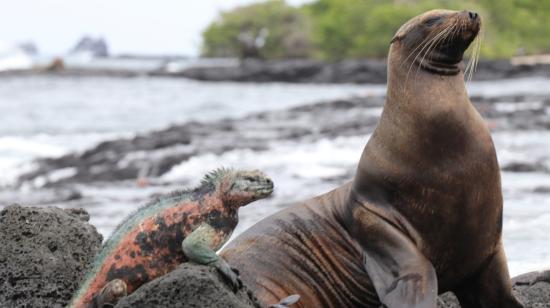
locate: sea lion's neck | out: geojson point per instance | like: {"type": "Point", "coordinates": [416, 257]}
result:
{"type": "Point", "coordinates": [428, 127]}
{"type": "Point", "coordinates": [422, 110]}
{"type": "Point", "coordinates": [415, 94]}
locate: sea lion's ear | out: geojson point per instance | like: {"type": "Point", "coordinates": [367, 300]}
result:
{"type": "Point", "coordinates": [395, 39]}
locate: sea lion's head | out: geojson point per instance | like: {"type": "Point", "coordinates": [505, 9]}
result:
{"type": "Point", "coordinates": [435, 41]}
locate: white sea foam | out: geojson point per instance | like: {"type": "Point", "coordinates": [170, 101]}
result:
{"type": "Point", "coordinates": [28, 147]}
{"type": "Point", "coordinates": [522, 146]}
{"type": "Point", "coordinates": [516, 86]}
{"type": "Point", "coordinates": [16, 155]}
{"type": "Point", "coordinates": [321, 159]}
{"type": "Point", "coordinates": [13, 58]}
{"type": "Point", "coordinates": [515, 106]}
{"type": "Point", "coordinates": [18, 152]}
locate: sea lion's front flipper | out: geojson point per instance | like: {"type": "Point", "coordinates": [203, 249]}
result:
{"type": "Point", "coordinates": [401, 274]}
{"type": "Point", "coordinates": [110, 294]}
{"type": "Point", "coordinates": [491, 287]}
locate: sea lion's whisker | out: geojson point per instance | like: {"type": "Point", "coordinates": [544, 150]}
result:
{"type": "Point", "coordinates": [425, 41]}
{"type": "Point", "coordinates": [474, 58]}
{"type": "Point", "coordinates": [454, 29]}
{"type": "Point", "coordinates": [427, 45]}
{"type": "Point", "coordinates": [477, 53]}
{"type": "Point", "coordinates": [470, 63]}
{"type": "Point", "coordinates": [426, 49]}
{"type": "Point", "coordinates": [435, 42]}
{"type": "Point", "coordinates": [480, 41]}
{"type": "Point", "coordinates": [423, 44]}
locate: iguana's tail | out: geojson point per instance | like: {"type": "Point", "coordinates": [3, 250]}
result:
{"type": "Point", "coordinates": [287, 301]}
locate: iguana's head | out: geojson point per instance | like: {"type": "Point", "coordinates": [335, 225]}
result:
{"type": "Point", "coordinates": [240, 187]}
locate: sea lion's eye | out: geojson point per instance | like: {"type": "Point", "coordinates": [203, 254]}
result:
{"type": "Point", "coordinates": [432, 21]}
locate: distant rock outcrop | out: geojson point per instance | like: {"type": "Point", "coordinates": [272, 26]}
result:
{"type": "Point", "coordinates": [93, 47]}
{"type": "Point", "coordinates": [29, 48]}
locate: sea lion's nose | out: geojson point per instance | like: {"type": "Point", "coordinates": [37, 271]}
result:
{"type": "Point", "coordinates": [473, 15]}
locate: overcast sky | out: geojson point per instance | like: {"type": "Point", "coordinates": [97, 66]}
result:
{"type": "Point", "coordinates": [129, 26]}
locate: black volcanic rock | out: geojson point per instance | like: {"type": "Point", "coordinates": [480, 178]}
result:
{"type": "Point", "coordinates": [97, 47]}
{"type": "Point", "coordinates": [542, 190]}
{"type": "Point", "coordinates": [372, 71]}
{"type": "Point", "coordinates": [524, 167]}
{"type": "Point", "coordinates": [45, 253]}
{"type": "Point", "coordinates": [293, 70]}
{"type": "Point", "coordinates": [29, 48]}
{"type": "Point", "coordinates": [190, 285]}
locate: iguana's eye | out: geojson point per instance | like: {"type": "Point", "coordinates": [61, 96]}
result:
{"type": "Point", "coordinates": [250, 178]}
{"type": "Point", "coordinates": [432, 21]}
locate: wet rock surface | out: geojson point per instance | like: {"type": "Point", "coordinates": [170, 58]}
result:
{"type": "Point", "coordinates": [45, 252]}
{"type": "Point", "coordinates": [190, 285]}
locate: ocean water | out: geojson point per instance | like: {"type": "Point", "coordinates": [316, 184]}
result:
{"type": "Point", "coordinates": [50, 116]}
{"type": "Point", "coordinates": [47, 116]}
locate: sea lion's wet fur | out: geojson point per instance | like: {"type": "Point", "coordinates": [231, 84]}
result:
{"type": "Point", "coordinates": [423, 214]}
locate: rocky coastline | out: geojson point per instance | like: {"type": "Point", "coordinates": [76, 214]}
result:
{"type": "Point", "coordinates": [352, 71]}
{"type": "Point", "coordinates": [348, 71]}
{"type": "Point", "coordinates": [46, 251]}
{"type": "Point", "coordinates": [155, 153]}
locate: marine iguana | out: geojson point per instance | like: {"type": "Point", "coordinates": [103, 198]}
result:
{"type": "Point", "coordinates": [188, 225]}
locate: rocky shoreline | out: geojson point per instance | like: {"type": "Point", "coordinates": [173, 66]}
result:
{"type": "Point", "coordinates": [153, 154]}
{"type": "Point", "coordinates": [371, 71]}
{"type": "Point", "coordinates": [347, 71]}
{"type": "Point", "coordinates": [45, 252]}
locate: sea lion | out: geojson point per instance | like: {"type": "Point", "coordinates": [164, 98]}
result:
{"type": "Point", "coordinates": [423, 214]}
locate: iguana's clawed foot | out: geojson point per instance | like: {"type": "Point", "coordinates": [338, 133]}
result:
{"type": "Point", "coordinates": [230, 274]}
{"type": "Point", "coordinates": [110, 294]}
{"type": "Point", "coordinates": [287, 301]}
